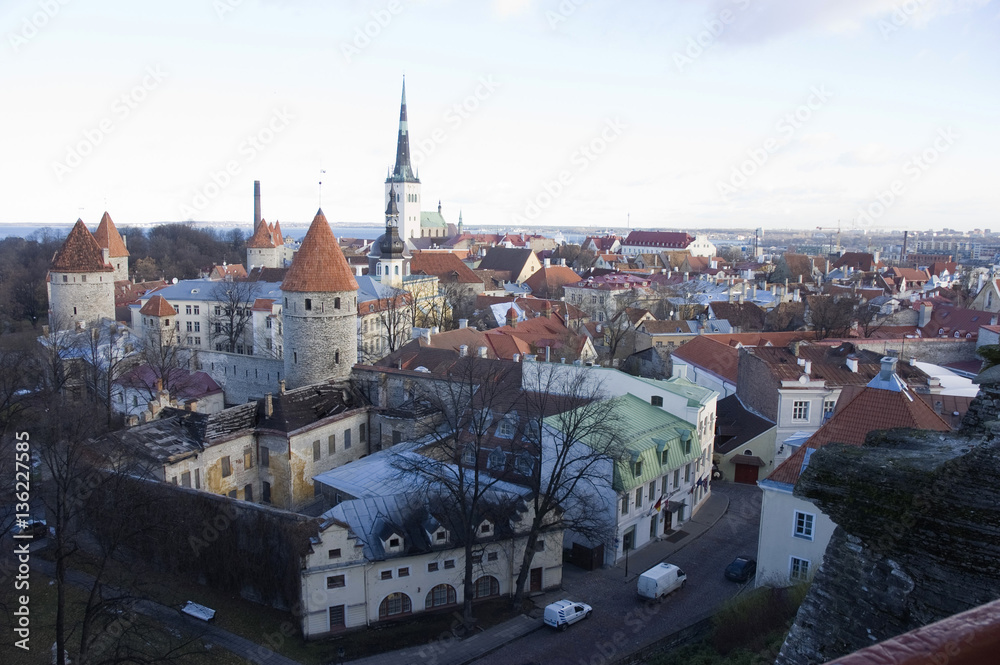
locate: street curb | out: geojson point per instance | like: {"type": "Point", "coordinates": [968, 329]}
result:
{"type": "Point", "coordinates": [500, 646]}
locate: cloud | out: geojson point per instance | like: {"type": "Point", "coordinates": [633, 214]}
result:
{"type": "Point", "coordinates": [762, 20]}
{"type": "Point", "coordinates": [506, 8]}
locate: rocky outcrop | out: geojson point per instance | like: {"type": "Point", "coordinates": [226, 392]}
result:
{"type": "Point", "coordinates": [918, 537]}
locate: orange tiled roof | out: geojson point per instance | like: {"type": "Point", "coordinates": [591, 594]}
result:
{"type": "Point", "coordinates": [868, 410]}
{"type": "Point", "coordinates": [319, 265]}
{"type": "Point", "coordinates": [443, 265]}
{"type": "Point", "coordinates": [107, 237]}
{"type": "Point", "coordinates": [158, 306]}
{"type": "Point", "coordinates": [279, 239]}
{"type": "Point", "coordinates": [549, 279]}
{"type": "Point", "coordinates": [261, 238]}
{"type": "Point", "coordinates": [80, 252]}
{"type": "Point", "coordinates": [711, 355]}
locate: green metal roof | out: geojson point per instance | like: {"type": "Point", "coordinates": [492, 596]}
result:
{"type": "Point", "coordinates": [646, 431]}
{"type": "Point", "coordinates": [695, 394]}
{"type": "Point", "coordinates": [432, 220]}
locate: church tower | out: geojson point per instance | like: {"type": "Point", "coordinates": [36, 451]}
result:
{"type": "Point", "coordinates": [391, 264]}
{"type": "Point", "coordinates": [113, 243]}
{"type": "Point", "coordinates": [402, 183]}
{"type": "Point", "coordinates": [319, 312]}
{"type": "Point", "coordinates": [81, 282]}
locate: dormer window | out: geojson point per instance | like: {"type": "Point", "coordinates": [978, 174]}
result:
{"type": "Point", "coordinates": [523, 464]}
{"type": "Point", "coordinates": [663, 457]}
{"type": "Point", "coordinates": [497, 460]}
{"type": "Point", "coordinates": [486, 528]}
{"type": "Point", "coordinates": [637, 468]}
{"type": "Point", "coordinates": [394, 542]}
{"type": "Point", "coordinates": [441, 536]}
{"type": "Point", "coordinates": [469, 456]}
{"type": "Point", "coordinates": [507, 427]}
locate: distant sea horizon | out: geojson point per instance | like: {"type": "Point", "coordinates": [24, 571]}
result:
{"type": "Point", "coordinates": [289, 230]}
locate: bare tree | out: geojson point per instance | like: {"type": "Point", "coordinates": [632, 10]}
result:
{"type": "Point", "coordinates": [108, 352]}
{"type": "Point", "coordinates": [385, 326]}
{"type": "Point", "coordinates": [231, 314]}
{"type": "Point", "coordinates": [468, 405]}
{"type": "Point", "coordinates": [831, 316]}
{"type": "Point", "coordinates": [617, 329]}
{"type": "Point", "coordinates": [575, 429]}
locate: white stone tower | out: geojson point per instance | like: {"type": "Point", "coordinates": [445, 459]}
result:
{"type": "Point", "coordinates": [81, 282]}
{"type": "Point", "coordinates": [319, 311]}
{"type": "Point", "coordinates": [113, 243]}
{"type": "Point", "coordinates": [402, 183]}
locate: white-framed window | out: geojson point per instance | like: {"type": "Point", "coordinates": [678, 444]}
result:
{"type": "Point", "coordinates": [804, 525]}
{"type": "Point", "coordinates": [507, 427]}
{"type": "Point", "coordinates": [469, 456]}
{"type": "Point", "coordinates": [828, 407]}
{"type": "Point", "coordinates": [798, 569]}
{"type": "Point", "coordinates": [497, 460]}
{"type": "Point", "coordinates": [800, 410]}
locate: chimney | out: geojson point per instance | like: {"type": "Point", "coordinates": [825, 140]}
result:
{"type": "Point", "coordinates": [463, 350]}
{"type": "Point", "coordinates": [808, 367]}
{"type": "Point", "coordinates": [794, 348]}
{"type": "Point", "coordinates": [827, 266]}
{"type": "Point", "coordinates": [685, 276]}
{"type": "Point", "coordinates": [547, 262]}
{"type": "Point", "coordinates": [888, 369]}
{"type": "Point", "coordinates": [268, 405]}
{"type": "Point", "coordinates": [852, 363]}
{"type": "Point", "coordinates": [256, 203]}
{"type": "Point", "coordinates": [512, 317]}
{"type": "Point", "coordinates": [562, 262]}
{"type": "Point", "coordinates": [463, 323]}
{"type": "Point", "coordinates": [281, 386]}
{"type": "Point", "coordinates": [427, 336]}
{"type": "Point", "coordinates": [517, 357]}
{"type": "Point", "coordinates": [800, 278]}
{"type": "Point", "coordinates": [159, 385]}
{"type": "Point", "coordinates": [548, 355]}
{"type": "Point", "coordinates": [926, 309]}
{"type": "Point", "coordinates": [482, 352]}
{"type": "Point", "coordinates": [902, 254]}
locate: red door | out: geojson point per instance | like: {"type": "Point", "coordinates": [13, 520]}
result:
{"type": "Point", "coordinates": [746, 473]}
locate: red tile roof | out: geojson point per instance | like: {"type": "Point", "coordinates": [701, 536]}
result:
{"type": "Point", "coordinates": [107, 237]}
{"type": "Point", "coordinates": [869, 410]}
{"type": "Point", "coordinates": [446, 266]}
{"type": "Point", "coordinates": [319, 265]}
{"type": "Point", "coordinates": [158, 306]}
{"type": "Point", "coordinates": [261, 238]}
{"type": "Point", "coordinates": [548, 280]}
{"type": "Point", "coordinates": [234, 270]}
{"type": "Point", "coordinates": [665, 239]}
{"type": "Point", "coordinates": [710, 355]}
{"type": "Point", "coordinates": [857, 260]}
{"type": "Point", "coordinates": [80, 252]}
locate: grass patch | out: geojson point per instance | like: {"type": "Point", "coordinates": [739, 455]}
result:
{"type": "Point", "coordinates": [747, 630]}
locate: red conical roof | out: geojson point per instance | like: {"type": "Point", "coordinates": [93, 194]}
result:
{"type": "Point", "coordinates": [107, 237]}
{"type": "Point", "coordinates": [261, 238]}
{"type": "Point", "coordinates": [158, 306]}
{"type": "Point", "coordinates": [319, 265]}
{"type": "Point", "coordinates": [80, 252]}
{"type": "Point", "coordinates": [279, 239]}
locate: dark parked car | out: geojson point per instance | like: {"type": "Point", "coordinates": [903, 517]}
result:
{"type": "Point", "coordinates": [741, 569]}
{"type": "Point", "coordinates": [37, 529]}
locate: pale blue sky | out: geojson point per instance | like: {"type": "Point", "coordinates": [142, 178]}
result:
{"type": "Point", "coordinates": [673, 121]}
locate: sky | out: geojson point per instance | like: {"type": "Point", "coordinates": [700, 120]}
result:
{"type": "Point", "coordinates": [870, 114]}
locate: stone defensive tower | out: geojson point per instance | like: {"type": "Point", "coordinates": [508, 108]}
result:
{"type": "Point", "coordinates": [319, 311]}
{"type": "Point", "coordinates": [81, 282]}
{"type": "Point", "coordinates": [113, 244]}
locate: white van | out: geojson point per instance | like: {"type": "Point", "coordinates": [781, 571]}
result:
{"type": "Point", "coordinates": [660, 580]}
{"type": "Point", "coordinates": [565, 612]}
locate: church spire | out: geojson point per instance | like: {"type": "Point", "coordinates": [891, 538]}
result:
{"type": "Point", "coordinates": [403, 172]}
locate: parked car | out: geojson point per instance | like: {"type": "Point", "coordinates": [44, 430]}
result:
{"type": "Point", "coordinates": [741, 569]}
{"type": "Point", "coordinates": [660, 580]}
{"type": "Point", "coordinates": [562, 613]}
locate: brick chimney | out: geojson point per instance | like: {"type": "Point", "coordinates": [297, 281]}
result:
{"type": "Point", "coordinates": [925, 311]}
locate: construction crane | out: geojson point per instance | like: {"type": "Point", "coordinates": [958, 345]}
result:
{"type": "Point", "coordinates": [830, 228]}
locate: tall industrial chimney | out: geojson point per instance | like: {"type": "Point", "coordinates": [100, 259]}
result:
{"type": "Point", "coordinates": [902, 255]}
{"type": "Point", "coordinates": [256, 203]}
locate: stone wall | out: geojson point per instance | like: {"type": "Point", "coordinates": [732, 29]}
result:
{"type": "Point", "coordinates": [242, 378]}
{"type": "Point", "coordinates": [918, 537]}
{"type": "Point", "coordinates": [929, 350]}
{"type": "Point", "coordinates": [756, 386]}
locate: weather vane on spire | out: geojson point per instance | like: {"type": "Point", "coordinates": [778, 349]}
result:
{"type": "Point", "coordinates": [321, 172]}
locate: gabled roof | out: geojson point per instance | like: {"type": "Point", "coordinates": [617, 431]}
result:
{"type": "Point", "coordinates": [80, 252]}
{"type": "Point", "coordinates": [108, 238]}
{"type": "Point", "coordinates": [183, 384]}
{"type": "Point", "coordinates": [748, 316]}
{"type": "Point", "coordinates": [158, 306]}
{"type": "Point", "coordinates": [947, 320]}
{"type": "Point", "coordinates": [735, 425]}
{"type": "Point", "coordinates": [857, 260]}
{"type": "Point", "coordinates": [446, 266]}
{"type": "Point", "coordinates": [665, 239]}
{"type": "Point", "coordinates": [505, 258]}
{"type": "Point", "coordinates": [869, 409]}
{"type": "Point", "coordinates": [547, 280]}
{"type": "Point", "coordinates": [234, 270]}
{"type": "Point", "coordinates": [710, 355]}
{"type": "Point", "coordinates": [261, 238]}
{"type": "Point", "coordinates": [319, 266]}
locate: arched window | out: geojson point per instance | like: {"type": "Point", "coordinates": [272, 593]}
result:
{"type": "Point", "coordinates": [394, 604]}
{"type": "Point", "coordinates": [336, 303]}
{"type": "Point", "coordinates": [439, 596]}
{"type": "Point", "coordinates": [486, 586]}
{"type": "Point", "coordinates": [397, 269]}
